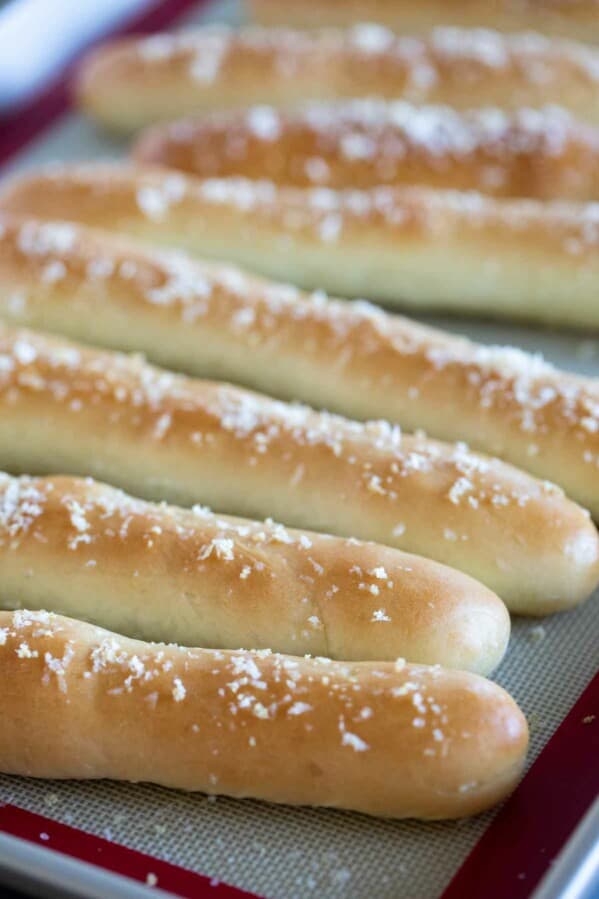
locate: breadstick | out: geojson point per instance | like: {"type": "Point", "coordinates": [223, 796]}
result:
{"type": "Point", "coordinates": [163, 573]}
{"type": "Point", "coordinates": [416, 247]}
{"type": "Point", "coordinates": [135, 82]}
{"type": "Point", "coordinates": [382, 738]}
{"type": "Point", "coordinates": [543, 154]}
{"type": "Point", "coordinates": [64, 408]}
{"type": "Point", "coordinates": [576, 19]}
{"type": "Point", "coordinates": [215, 321]}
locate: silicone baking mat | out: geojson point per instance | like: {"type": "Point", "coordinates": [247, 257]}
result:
{"type": "Point", "coordinates": [194, 846]}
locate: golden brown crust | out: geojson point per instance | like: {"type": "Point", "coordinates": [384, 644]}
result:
{"type": "Point", "coordinates": [543, 154]}
{"type": "Point", "coordinates": [413, 246]}
{"type": "Point", "coordinates": [374, 737]}
{"type": "Point", "coordinates": [64, 408]}
{"type": "Point", "coordinates": [350, 358]}
{"type": "Point", "coordinates": [575, 19]}
{"type": "Point", "coordinates": [158, 572]}
{"type": "Point", "coordinates": [135, 82]}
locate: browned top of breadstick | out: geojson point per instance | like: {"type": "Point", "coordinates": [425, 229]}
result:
{"type": "Point", "coordinates": [170, 75]}
{"type": "Point", "coordinates": [126, 197]}
{"type": "Point", "coordinates": [577, 19]}
{"type": "Point", "coordinates": [384, 738]}
{"type": "Point", "coordinates": [529, 153]}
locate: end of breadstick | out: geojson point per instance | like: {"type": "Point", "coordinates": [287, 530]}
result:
{"type": "Point", "coordinates": [408, 605]}
{"type": "Point", "coordinates": [94, 86]}
{"type": "Point", "coordinates": [492, 732]}
{"type": "Point", "coordinates": [564, 549]}
{"type": "Point", "coordinates": [386, 739]}
{"type": "Point", "coordinates": [538, 549]}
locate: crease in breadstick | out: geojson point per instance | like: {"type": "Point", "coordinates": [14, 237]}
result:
{"type": "Point", "coordinates": [386, 739]}
{"type": "Point", "coordinates": [164, 573]}
{"type": "Point", "coordinates": [67, 408]}
{"type": "Point", "coordinates": [544, 154]}
{"type": "Point", "coordinates": [351, 358]}
{"type": "Point", "coordinates": [135, 82]}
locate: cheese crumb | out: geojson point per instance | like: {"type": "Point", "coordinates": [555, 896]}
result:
{"type": "Point", "coordinates": [264, 122]}
{"type": "Point", "coordinates": [24, 652]}
{"type": "Point", "coordinates": [179, 691]}
{"type": "Point", "coordinates": [461, 486]}
{"type": "Point", "coordinates": [375, 485]}
{"type": "Point", "coordinates": [222, 547]}
{"type": "Point", "coordinates": [299, 708]}
{"type": "Point", "coordinates": [356, 743]}
{"type": "Point", "coordinates": [536, 634]}
{"type": "Point", "coordinates": [380, 615]}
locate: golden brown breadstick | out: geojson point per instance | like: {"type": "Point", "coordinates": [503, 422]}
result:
{"type": "Point", "coordinates": [383, 738]}
{"type": "Point", "coordinates": [410, 246]}
{"type": "Point", "coordinates": [215, 321]}
{"type": "Point", "coordinates": [135, 82]}
{"type": "Point", "coordinates": [64, 408]}
{"type": "Point", "coordinates": [159, 572]}
{"type": "Point", "coordinates": [577, 19]}
{"type": "Point", "coordinates": [543, 154]}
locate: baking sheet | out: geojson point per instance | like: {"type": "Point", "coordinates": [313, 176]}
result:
{"type": "Point", "coordinates": [284, 853]}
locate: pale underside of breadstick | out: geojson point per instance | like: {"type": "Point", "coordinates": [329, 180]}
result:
{"type": "Point", "coordinates": [381, 738]}
{"type": "Point", "coordinates": [136, 82]}
{"type": "Point", "coordinates": [578, 20]}
{"type": "Point", "coordinates": [416, 247]}
{"type": "Point", "coordinates": [159, 572]}
{"type": "Point", "coordinates": [352, 358]}
{"type": "Point", "coordinates": [543, 154]}
{"type": "Point", "coordinates": [65, 408]}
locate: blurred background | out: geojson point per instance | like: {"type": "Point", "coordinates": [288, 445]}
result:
{"type": "Point", "coordinates": [37, 38]}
